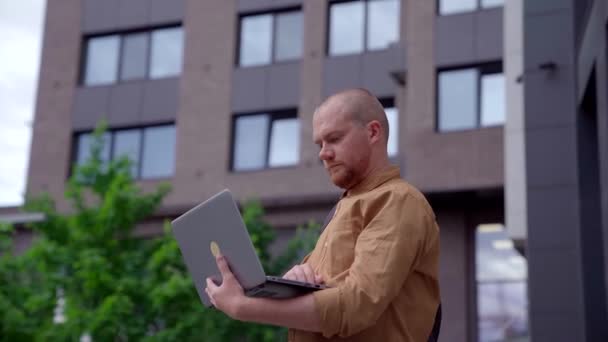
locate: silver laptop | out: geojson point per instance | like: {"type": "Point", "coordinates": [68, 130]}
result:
{"type": "Point", "coordinates": [216, 225]}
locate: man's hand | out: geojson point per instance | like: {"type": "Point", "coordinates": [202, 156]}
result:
{"type": "Point", "coordinates": [304, 273]}
{"type": "Point", "coordinates": [228, 297]}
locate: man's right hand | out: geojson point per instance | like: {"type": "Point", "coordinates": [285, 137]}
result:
{"type": "Point", "coordinates": [304, 273]}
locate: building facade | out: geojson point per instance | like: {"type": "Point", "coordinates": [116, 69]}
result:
{"type": "Point", "coordinates": [565, 136]}
{"type": "Point", "coordinates": [220, 94]}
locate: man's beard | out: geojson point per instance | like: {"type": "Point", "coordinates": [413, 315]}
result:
{"type": "Point", "coordinates": [342, 177]}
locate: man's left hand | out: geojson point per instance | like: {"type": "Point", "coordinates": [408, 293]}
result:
{"type": "Point", "coordinates": [229, 296]}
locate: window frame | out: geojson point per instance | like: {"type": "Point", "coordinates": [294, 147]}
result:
{"type": "Point", "coordinates": [365, 26]}
{"type": "Point", "coordinates": [483, 69]}
{"type": "Point", "coordinates": [273, 35]}
{"type": "Point", "coordinates": [138, 177]}
{"type": "Point", "coordinates": [84, 53]}
{"type": "Point", "coordinates": [272, 115]}
{"type": "Point", "coordinates": [478, 7]}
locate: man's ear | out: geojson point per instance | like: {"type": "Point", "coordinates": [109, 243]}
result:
{"type": "Point", "coordinates": [374, 131]}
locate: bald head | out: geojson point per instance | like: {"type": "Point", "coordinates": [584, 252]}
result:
{"type": "Point", "coordinates": [361, 105]}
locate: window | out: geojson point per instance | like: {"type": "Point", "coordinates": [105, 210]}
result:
{"type": "Point", "coordinates": [355, 26]}
{"type": "Point", "coordinates": [502, 298]}
{"type": "Point", "coordinates": [392, 115]}
{"type": "Point", "coordinates": [102, 60]}
{"type": "Point", "coordinates": [271, 37]}
{"type": "Point", "coordinates": [265, 140]}
{"type": "Point", "coordinates": [150, 149]}
{"type": "Point", "coordinates": [393, 127]}
{"type": "Point", "coordinates": [447, 7]}
{"type": "Point", "coordinates": [470, 98]}
{"type": "Point", "coordinates": [131, 56]}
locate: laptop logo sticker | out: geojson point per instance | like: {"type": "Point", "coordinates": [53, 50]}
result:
{"type": "Point", "coordinates": [215, 248]}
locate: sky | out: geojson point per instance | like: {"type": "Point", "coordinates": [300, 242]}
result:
{"type": "Point", "coordinates": [20, 41]}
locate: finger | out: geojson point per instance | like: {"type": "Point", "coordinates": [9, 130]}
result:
{"type": "Point", "coordinates": [308, 273]}
{"type": "Point", "coordinates": [222, 265]}
{"type": "Point", "coordinates": [211, 299]}
{"type": "Point", "coordinates": [319, 279]}
{"type": "Point", "coordinates": [290, 275]}
{"type": "Point", "coordinates": [211, 285]}
{"type": "Point", "coordinates": [299, 274]}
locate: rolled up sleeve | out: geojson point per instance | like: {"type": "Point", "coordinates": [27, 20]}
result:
{"type": "Point", "coordinates": [386, 251]}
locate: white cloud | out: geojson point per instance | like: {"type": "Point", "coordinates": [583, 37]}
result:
{"type": "Point", "coordinates": [21, 32]}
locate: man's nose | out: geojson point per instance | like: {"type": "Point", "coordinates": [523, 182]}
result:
{"type": "Point", "coordinates": [326, 153]}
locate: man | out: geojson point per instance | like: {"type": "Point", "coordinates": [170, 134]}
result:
{"type": "Point", "coordinates": [379, 253]}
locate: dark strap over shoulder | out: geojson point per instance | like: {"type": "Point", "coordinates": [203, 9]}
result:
{"type": "Point", "coordinates": [436, 326]}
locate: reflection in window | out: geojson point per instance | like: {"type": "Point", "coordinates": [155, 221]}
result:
{"type": "Point", "coordinates": [270, 37]}
{"type": "Point", "coordinates": [158, 160]}
{"type": "Point", "coordinates": [134, 56]}
{"type": "Point", "coordinates": [457, 99]}
{"type": "Point", "coordinates": [492, 99]}
{"type": "Point", "coordinates": [256, 40]}
{"type": "Point", "coordinates": [284, 142]}
{"type": "Point", "coordinates": [102, 60]}
{"type": "Point", "coordinates": [470, 98]}
{"type": "Point", "coordinates": [151, 150]}
{"type": "Point", "coordinates": [491, 3]}
{"type": "Point", "coordinates": [85, 141]}
{"type": "Point", "coordinates": [447, 7]}
{"type": "Point", "coordinates": [501, 274]}
{"type": "Point", "coordinates": [127, 144]}
{"type": "Point", "coordinates": [393, 127]}
{"type": "Point", "coordinates": [265, 140]}
{"type": "Point", "coordinates": [289, 36]}
{"type": "Point", "coordinates": [383, 23]}
{"type": "Point", "coordinates": [167, 51]}
{"type": "Point", "coordinates": [346, 28]}
{"type": "Point", "coordinates": [250, 137]}
{"type": "Point", "coordinates": [356, 26]}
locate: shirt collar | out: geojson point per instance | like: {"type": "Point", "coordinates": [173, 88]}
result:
{"type": "Point", "coordinates": [373, 181]}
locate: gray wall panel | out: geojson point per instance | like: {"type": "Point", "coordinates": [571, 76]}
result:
{"type": "Point", "coordinates": [552, 40]}
{"type": "Point", "coordinates": [160, 100]}
{"type": "Point", "coordinates": [283, 85]}
{"type": "Point", "coordinates": [455, 39]}
{"type": "Point", "coordinates": [126, 103]}
{"type": "Point", "coordinates": [100, 15]}
{"type": "Point", "coordinates": [249, 89]}
{"type": "Point", "coordinates": [133, 13]}
{"type": "Point", "coordinates": [548, 151]}
{"type": "Point", "coordinates": [488, 35]}
{"type": "Point", "coordinates": [163, 11]}
{"type": "Point", "coordinates": [91, 104]}
{"type": "Point", "coordinates": [340, 73]}
{"type": "Point", "coordinates": [375, 74]}
{"type": "Point", "coordinates": [542, 113]}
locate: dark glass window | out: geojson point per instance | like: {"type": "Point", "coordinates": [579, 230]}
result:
{"type": "Point", "coordinates": [469, 98]}
{"type": "Point", "coordinates": [270, 37]}
{"type": "Point", "coordinates": [151, 150]}
{"type": "Point", "coordinates": [265, 140]}
{"type": "Point", "coordinates": [355, 26]}
{"type": "Point", "coordinates": [102, 60]}
{"type": "Point", "coordinates": [123, 57]}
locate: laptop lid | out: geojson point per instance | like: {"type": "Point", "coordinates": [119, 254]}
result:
{"type": "Point", "coordinates": [216, 224]}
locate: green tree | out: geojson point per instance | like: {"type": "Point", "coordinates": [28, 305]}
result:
{"type": "Point", "coordinates": [88, 273]}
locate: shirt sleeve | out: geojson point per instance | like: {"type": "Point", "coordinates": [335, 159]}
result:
{"type": "Point", "coordinates": [386, 251]}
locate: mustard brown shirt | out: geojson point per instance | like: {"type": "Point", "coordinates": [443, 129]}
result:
{"type": "Point", "coordinates": [380, 254]}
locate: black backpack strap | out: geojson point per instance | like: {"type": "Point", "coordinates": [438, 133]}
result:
{"type": "Point", "coordinates": [436, 326]}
